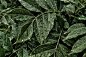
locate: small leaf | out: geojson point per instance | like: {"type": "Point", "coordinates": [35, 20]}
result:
{"type": "Point", "coordinates": [4, 20]}
{"type": "Point", "coordinates": [30, 5]}
{"type": "Point", "coordinates": [22, 53]}
{"type": "Point", "coordinates": [75, 26]}
{"type": "Point", "coordinates": [43, 4]}
{"type": "Point", "coordinates": [47, 53]}
{"type": "Point", "coordinates": [52, 4]}
{"type": "Point", "coordinates": [79, 46]}
{"type": "Point", "coordinates": [75, 33]}
{"type": "Point", "coordinates": [44, 24]}
{"type": "Point", "coordinates": [2, 53]}
{"type": "Point", "coordinates": [7, 44]}
{"type": "Point", "coordinates": [84, 55]}
{"type": "Point", "coordinates": [43, 48]}
{"type": "Point", "coordinates": [70, 9]}
{"type": "Point", "coordinates": [82, 17]}
{"type": "Point", "coordinates": [20, 11]}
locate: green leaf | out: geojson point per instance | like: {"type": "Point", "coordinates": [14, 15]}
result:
{"type": "Point", "coordinates": [66, 25]}
{"type": "Point", "coordinates": [4, 3]}
{"type": "Point", "coordinates": [79, 46]}
{"type": "Point", "coordinates": [70, 9]}
{"type": "Point", "coordinates": [30, 5]}
{"type": "Point", "coordinates": [20, 11]}
{"type": "Point", "coordinates": [75, 33]}
{"type": "Point", "coordinates": [75, 26]}
{"type": "Point", "coordinates": [2, 53]}
{"type": "Point", "coordinates": [84, 55]}
{"type": "Point", "coordinates": [82, 17]}
{"type": "Point", "coordinates": [60, 20]}
{"type": "Point", "coordinates": [43, 4]}
{"type": "Point", "coordinates": [22, 53]}
{"type": "Point", "coordinates": [14, 28]}
{"type": "Point", "coordinates": [4, 20]}
{"type": "Point", "coordinates": [26, 32]}
{"type": "Point", "coordinates": [2, 36]}
{"type": "Point", "coordinates": [43, 48]}
{"type": "Point", "coordinates": [43, 26]}
{"type": "Point", "coordinates": [47, 53]}
{"type": "Point", "coordinates": [52, 4]}
{"type": "Point", "coordinates": [63, 51]}
{"type": "Point", "coordinates": [7, 44]}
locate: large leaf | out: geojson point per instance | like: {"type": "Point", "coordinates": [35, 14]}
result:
{"type": "Point", "coordinates": [30, 5]}
{"type": "Point", "coordinates": [43, 48]}
{"type": "Point", "coordinates": [2, 53]}
{"type": "Point", "coordinates": [20, 11]}
{"type": "Point", "coordinates": [75, 33]}
{"type": "Point", "coordinates": [44, 24]}
{"type": "Point", "coordinates": [63, 51]}
{"type": "Point", "coordinates": [22, 53]}
{"type": "Point", "coordinates": [79, 46]}
{"type": "Point", "coordinates": [52, 4]}
{"type": "Point", "coordinates": [47, 53]}
{"type": "Point", "coordinates": [75, 26]}
{"type": "Point", "coordinates": [26, 32]}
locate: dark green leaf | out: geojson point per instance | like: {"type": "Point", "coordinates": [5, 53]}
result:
{"type": "Point", "coordinates": [2, 53]}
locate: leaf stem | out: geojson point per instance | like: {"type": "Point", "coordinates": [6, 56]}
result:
{"type": "Point", "coordinates": [59, 39]}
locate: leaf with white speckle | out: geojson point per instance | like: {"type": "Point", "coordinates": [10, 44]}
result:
{"type": "Point", "coordinates": [43, 25]}
{"type": "Point", "coordinates": [30, 5]}
{"type": "Point", "coordinates": [79, 46]}
{"type": "Point", "coordinates": [75, 33]}
{"type": "Point", "coordinates": [75, 26]}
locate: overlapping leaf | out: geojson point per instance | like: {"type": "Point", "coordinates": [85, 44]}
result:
{"type": "Point", "coordinates": [52, 4]}
{"type": "Point", "coordinates": [63, 51]}
{"type": "Point", "coordinates": [73, 27]}
{"type": "Point", "coordinates": [79, 46]}
{"type": "Point", "coordinates": [43, 51]}
{"type": "Point", "coordinates": [44, 24]}
{"type": "Point", "coordinates": [22, 53]}
{"type": "Point", "coordinates": [30, 5]}
{"type": "Point", "coordinates": [43, 4]}
{"type": "Point", "coordinates": [2, 53]}
{"type": "Point", "coordinates": [20, 11]}
{"type": "Point", "coordinates": [25, 33]}
{"type": "Point", "coordinates": [75, 33]}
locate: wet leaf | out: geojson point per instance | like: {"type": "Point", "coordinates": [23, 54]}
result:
{"type": "Point", "coordinates": [75, 33]}
{"type": "Point", "coordinates": [30, 5]}
{"type": "Point", "coordinates": [44, 24]}
{"type": "Point", "coordinates": [79, 46]}
{"type": "Point", "coordinates": [22, 53]}
{"type": "Point", "coordinates": [75, 26]}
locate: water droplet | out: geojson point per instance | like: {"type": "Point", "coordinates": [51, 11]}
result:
{"type": "Point", "coordinates": [19, 0]}
{"type": "Point", "coordinates": [63, 48]}
{"type": "Point", "coordinates": [22, 40]}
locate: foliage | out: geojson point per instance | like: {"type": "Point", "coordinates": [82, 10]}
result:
{"type": "Point", "coordinates": [42, 28]}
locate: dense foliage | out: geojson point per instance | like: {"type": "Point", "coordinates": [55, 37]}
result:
{"type": "Point", "coordinates": [42, 28]}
